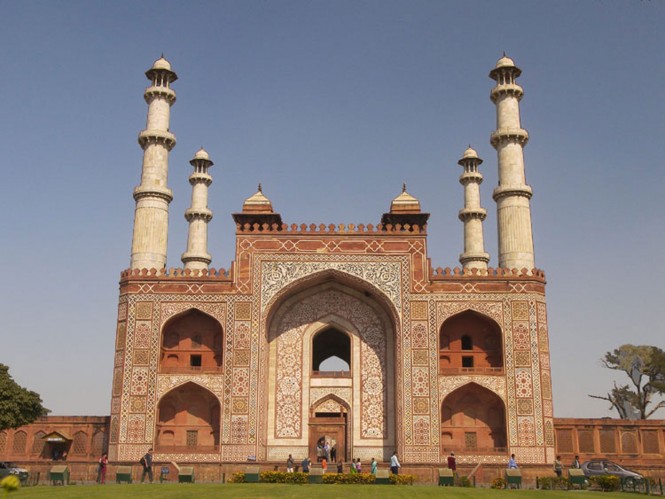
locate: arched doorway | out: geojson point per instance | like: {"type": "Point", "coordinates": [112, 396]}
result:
{"type": "Point", "coordinates": [473, 420]}
{"type": "Point", "coordinates": [306, 329]}
{"type": "Point", "coordinates": [470, 342]}
{"type": "Point", "coordinates": [188, 419]}
{"type": "Point", "coordinates": [329, 424]}
{"type": "Point", "coordinates": [191, 342]}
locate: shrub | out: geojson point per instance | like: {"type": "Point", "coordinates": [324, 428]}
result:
{"type": "Point", "coordinates": [554, 482]}
{"type": "Point", "coordinates": [283, 477]}
{"type": "Point", "coordinates": [402, 479]}
{"type": "Point", "coordinates": [499, 483]}
{"type": "Point", "coordinates": [237, 477]}
{"type": "Point", "coordinates": [606, 483]}
{"type": "Point", "coordinates": [349, 478]}
{"type": "Point", "coordinates": [463, 481]}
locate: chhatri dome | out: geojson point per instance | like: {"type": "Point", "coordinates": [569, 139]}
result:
{"type": "Point", "coordinates": [470, 153]}
{"type": "Point", "coordinates": [202, 154]}
{"type": "Point", "coordinates": [405, 203]}
{"type": "Point", "coordinates": [257, 203]}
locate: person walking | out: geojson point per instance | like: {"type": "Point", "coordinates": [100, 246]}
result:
{"type": "Point", "coordinates": [576, 463]}
{"type": "Point", "coordinates": [359, 467]}
{"type": "Point", "coordinates": [146, 462]}
{"type": "Point", "coordinates": [289, 464]}
{"type": "Point", "coordinates": [374, 466]}
{"type": "Point", "coordinates": [558, 467]}
{"type": "Point", "coordinates": [101, 468]}
{"type": "Point", "coordinates": [394, 464]}
{"type": "Point", "coordinates": [512, 464]}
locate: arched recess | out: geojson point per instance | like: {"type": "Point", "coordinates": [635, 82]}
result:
{"type": "Point", "coordinates": [473, 419]}
{"type": "Point", "coordinates": [188, 420]}
{"type": "Point", "coordinates": [191, 342]}
{"type": "Point", "coordinates": [470, 342]}
{"type": "Point", "coordinates": [331, 301]}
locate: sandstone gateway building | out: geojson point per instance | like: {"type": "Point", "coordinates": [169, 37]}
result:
{"type": "Point", "coordinates": [215, 365]}
{"type": "Point", "coordinates": [221, 367]}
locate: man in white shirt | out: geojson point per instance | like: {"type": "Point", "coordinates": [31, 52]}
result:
{"type": "Point", "coordinates": [394, 464]}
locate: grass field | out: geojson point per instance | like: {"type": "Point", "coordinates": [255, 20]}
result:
{"type": "Point", "coordinates": [197, 491]}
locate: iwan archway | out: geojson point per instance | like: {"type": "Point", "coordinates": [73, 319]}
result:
{"type": "Point", "coordinates": [316, 323]}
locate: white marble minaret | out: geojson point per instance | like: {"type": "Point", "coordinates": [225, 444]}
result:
{"type": "Point", "coordinates": [151, 217]}
{"type": "Point", "coordinates": [474, 256]}
{"type": "Point", "coordinates": [512, 194]}
{"type": "Point", "coordinates": [198, 215]}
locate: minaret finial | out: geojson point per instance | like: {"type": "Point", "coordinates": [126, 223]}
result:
{"type": "Point", "coordinates": [404, 187]}
{"type": "Point", "coordinates": [260, 188]}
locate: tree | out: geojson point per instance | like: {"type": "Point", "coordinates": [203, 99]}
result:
{"type": "Point", "coordinates": [18, 406]}
{"type": "Point", "coordinates": [645, 366]}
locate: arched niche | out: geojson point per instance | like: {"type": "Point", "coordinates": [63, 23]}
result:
{"type": "Point", "coordinates": [188, 420]}
{"type": "Point", "coordinates": [470, 342]}
{"type": "Point", "coordinates": [473, 420]}
{"type": "Point", "coordinates": [191, 342]}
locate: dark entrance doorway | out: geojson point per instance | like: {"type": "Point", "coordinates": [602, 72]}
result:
{"type": "Point", "coordinates": [332, 428]}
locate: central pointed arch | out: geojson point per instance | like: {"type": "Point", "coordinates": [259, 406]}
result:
{"type": "Point", "coordinates": [355, 310]}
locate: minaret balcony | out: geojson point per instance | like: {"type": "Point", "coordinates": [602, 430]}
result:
{"type": "Point", "coordinates": [501, 136]}
{"type": "Point", "coordinates": [159, 91]}
{"type": "Point", "coordinates": [198, 214]}
{"type": "Point", "coordinates": [469, 177]}
{"type": "Point", "coordinates": [198, 177]}
{"type": "Point", "coordinates": [153, 192]}
{"type": "Point", "coordinates": [467, 214]}
{"type": "Point", "coordinates": [154, 136]}
{"type": "Point", "coordinates": [511, 89]}
{"type": "Point", "coordinates": [466, 258]}
{"type": "Point", "coordinates": [512, 190]}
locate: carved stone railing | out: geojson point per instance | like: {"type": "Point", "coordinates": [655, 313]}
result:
{"type": "Point", "coordinates": [456, 273]}
{"type": "Point", "coordinates": [297, 229]}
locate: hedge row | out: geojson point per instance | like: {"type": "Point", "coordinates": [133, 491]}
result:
{"type": "Point", "coordinates": [329, 478]}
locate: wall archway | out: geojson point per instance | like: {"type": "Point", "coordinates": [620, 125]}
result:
{"type": "Point", "coordinates": [473, 419]}
{"type": "Point", "coordinates": [191, 342]}
{"type": "Point", "coordinates": [188, 420]}
{"type": "Point", "coordinates": [470, 342]}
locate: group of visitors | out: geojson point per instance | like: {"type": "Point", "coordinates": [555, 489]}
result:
{"type": "Point", "coordinates": [355, 467]}
{"type": "Point", "coordinates": [326, 450]}
{"type": "Point", "coordinates": [558, 466]}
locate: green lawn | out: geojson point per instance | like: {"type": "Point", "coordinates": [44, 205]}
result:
{"type": "Point", "coordinates": [197, 491]}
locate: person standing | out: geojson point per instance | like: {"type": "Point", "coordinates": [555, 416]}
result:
{"type": "Point", "coordinates": [146, 462]}
{"type": "Point", "coordinates": [359, 467]}
{"type": "Point", "coordinates": [576, 463]}
{"type": "Point", "coordinates": [101, 468]}
{"type": "Point", "coordinates": [558, 467]}
{"type": "Point", "coordinates": [374, 466]}
{"type": "Point", "coordinates": [306, 463]}
{"type": "Point", "coordinates": [353, 470]}
{"type": "Point", "coordinates": [333, 450]}
{"type": "Point", "coordinates": [289, 464]}
{"type": "Point", "coordinates": [394, 464]}
{"type": "Point", "coordinates": [452, 462]}
{"type": "Point", "coordinates": [340, 467]}
{"type": "Point", "coordinates": [512, 464]}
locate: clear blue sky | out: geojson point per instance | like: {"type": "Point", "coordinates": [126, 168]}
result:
{"type": "Point", "coordinates": [331, 105]}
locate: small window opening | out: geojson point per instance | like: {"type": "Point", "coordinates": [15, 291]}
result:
{"type": "Point", "coordinates": [192, 438]}
{"type": "Point", "coordinates": [467, 342]}
{"type": "Point", "coordinates": [195, 361]}
{"type": "Point", "coordinates": [467, 361]}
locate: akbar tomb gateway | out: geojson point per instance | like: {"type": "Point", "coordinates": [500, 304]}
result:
{"type": "Point", "coordinates": [218, 367]}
